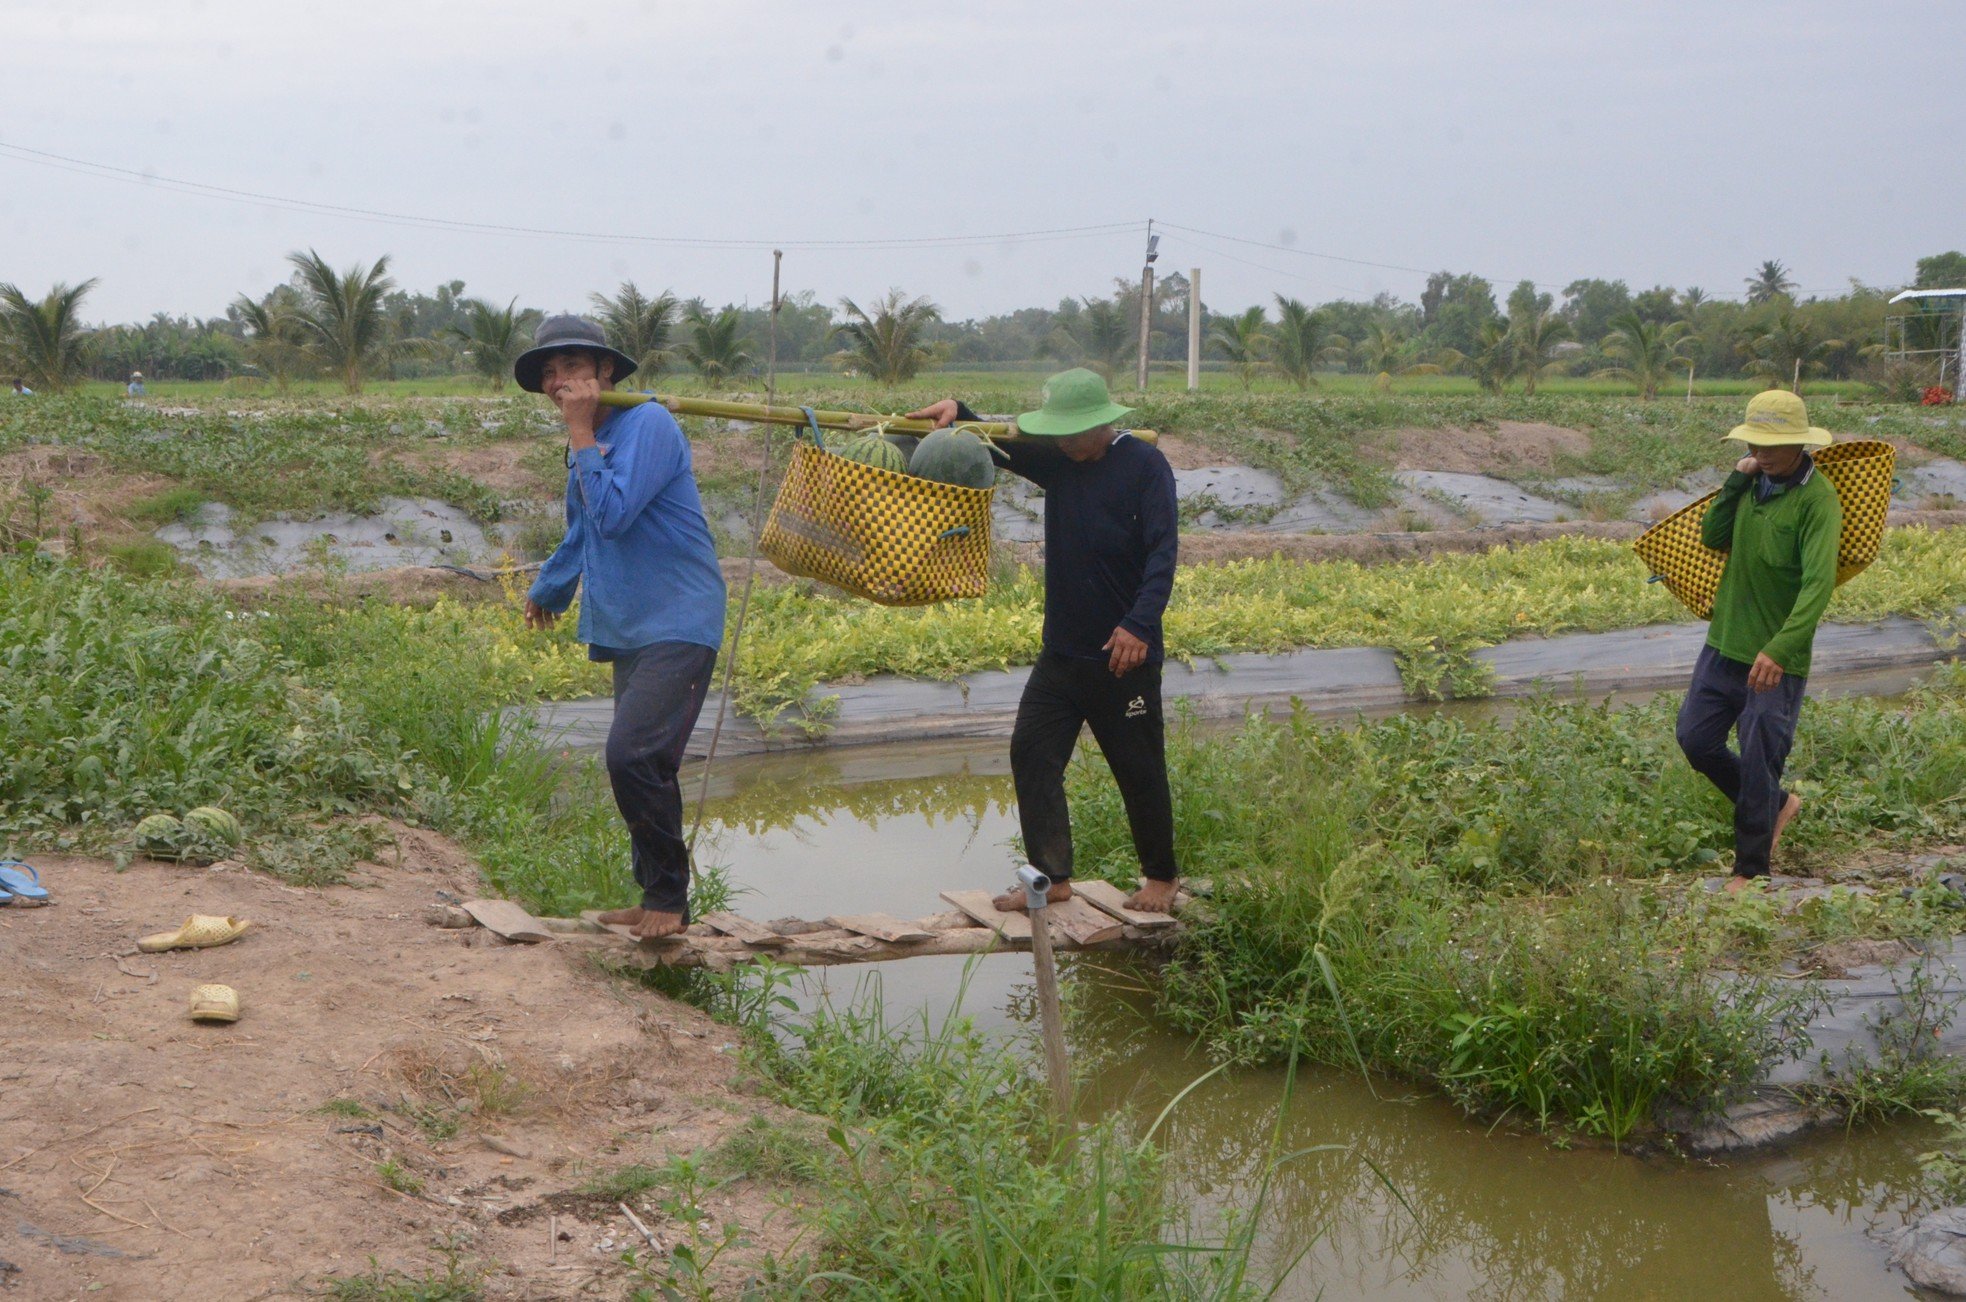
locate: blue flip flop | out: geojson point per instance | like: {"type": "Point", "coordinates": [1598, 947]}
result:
{"type": "Point", "coordinates": [21, 882]}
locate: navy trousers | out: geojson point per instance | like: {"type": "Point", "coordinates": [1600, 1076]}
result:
{"type": "Point", "coordinates": [658, 692]}
{"type": "Point", "coordinates": [1062, 696]}
{"type": "Point", "coordinates": [1720, 701]}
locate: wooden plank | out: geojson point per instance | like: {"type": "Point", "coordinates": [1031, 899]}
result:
{"type": "Point", "coordinates": [720, 953]}
{"type": "Point", "coordinates": [592, 917]}
{"type": "Point", "coordinates": [508, 920]}
{"type": "Point", "coordinates": [1080, 923]}
{"type": "Point", "coordinates": [751, 933]}
{"type": "Point", "coordinates": [1107, 898]}
{"type": "Point", "coordinates": [1011, 926]}
{"type": "Point", "coordinates": [881, 926]}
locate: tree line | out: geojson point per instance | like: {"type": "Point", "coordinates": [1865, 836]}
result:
{"type": "Point", "coordinates": [356, 324]}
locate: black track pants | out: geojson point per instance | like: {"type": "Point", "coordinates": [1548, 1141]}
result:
{"type": "Point", "coordinates": [1125, 715]}
{"type": "Point", "coordinates": [1718, 702]}
{"type": "Point", "coordinates": [658, 692]}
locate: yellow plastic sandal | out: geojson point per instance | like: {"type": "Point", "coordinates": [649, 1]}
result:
{"type": "Point", "coordinates": [200, 931]}
{"type": "Point", "coordinates": [214, 1004]}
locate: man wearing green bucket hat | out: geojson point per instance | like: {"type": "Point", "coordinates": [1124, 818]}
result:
{"type": "Point", "coordinates": [1779, 522]}
{"type": "Point", "coordinates": [1111, 534]}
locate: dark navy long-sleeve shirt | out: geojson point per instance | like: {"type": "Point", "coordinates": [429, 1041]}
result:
{"type": "Point", "coordinates": [1111, 536]}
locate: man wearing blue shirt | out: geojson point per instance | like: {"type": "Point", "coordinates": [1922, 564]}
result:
{"type": "Point", "coordinates": [654, 595]}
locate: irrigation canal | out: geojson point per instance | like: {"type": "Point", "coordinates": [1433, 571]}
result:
{"type": "Point", "coordinates": [1477, 1213]}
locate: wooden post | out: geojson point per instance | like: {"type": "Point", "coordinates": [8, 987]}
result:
{"type": "Point", "coordinates": [1053, 1018]}
{"type": "Point", "coordinates": [1689, 381]}
{"type": "Point", "coordinates": [1194, 329]}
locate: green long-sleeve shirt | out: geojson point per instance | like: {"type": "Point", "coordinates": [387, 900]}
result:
{"type": "Point", "coordinates": [1781, 567]}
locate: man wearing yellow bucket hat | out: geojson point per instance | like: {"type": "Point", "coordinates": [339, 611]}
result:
{"type": "Point", "coordinates": [1111, 534]}
{"type": "Point", "coordinates": [1778, 520]}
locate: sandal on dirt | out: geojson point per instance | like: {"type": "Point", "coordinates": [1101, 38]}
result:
{"type": "Point", "coordinates": [200, 931]}
{"type": "Point", "coordinates": [21, 882]}
{"type": "Point", "coordinates": [214, 1004]}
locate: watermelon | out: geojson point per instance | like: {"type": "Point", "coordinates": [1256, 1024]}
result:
{"type": "Point", "coordinates": [214, 824]}
{"type": "Point", "coordinates": [954, 456]}
{"type": "Point", "coordinates": [160, 834]}
{"type": "Point", "coordinates": [905, 444]}
{"type": "Point", "coordinates": [875, 451]}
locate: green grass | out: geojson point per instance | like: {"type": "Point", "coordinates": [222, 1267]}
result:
{"type": "Point", "coordinates": [398, 1177]}
{"type": "Point", "coordinates": [379, 1284]}
{"type": "Point", "coordinates": [1504, 909]}
{"type": "Point", "coordinates": [168, 506]}
{"type": "Point", "coordinates": [945, 1178]}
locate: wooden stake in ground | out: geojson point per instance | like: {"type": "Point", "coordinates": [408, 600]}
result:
{"type": "Point", "coordinates": [1050, 1014]}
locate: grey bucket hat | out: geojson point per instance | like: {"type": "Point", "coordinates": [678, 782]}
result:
{"type": "Point", "coordinates": [561, 332]}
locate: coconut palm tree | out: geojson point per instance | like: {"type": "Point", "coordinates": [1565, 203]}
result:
{"type": "Point", "coordinates": [1769, 283]}
{"type": "Point", "coordinates": [1244, 342]}
{"type": "Point", "coordinates": [887, 345]}
{"type": "Point", "coordinates": [1648, 352]}
{"type": "Point", "coordinates": [276, 338]}
{"type": "Point", "coordinates": [717, 345]}
{"type": "Point", "coordinates": [492, 338]}
{"type": "Point", "coordinates": [639, 325]}
{"type": "Point", "coordinates": [1493, 362]}
{"type": "Point", "coordinates": [45, 342]}
{"type": "Point", "coordinates": [1099, 337]}
{"type": "Point", "coordinates": [347, 329]}
{"type": "Point", "coordinates": [1783, 351]}
{"type": "Point", "coordinates": [1383, 348]}
{"type": "Point", "coordinates": [1535, 337]}
{"type": "Point", "coordinates": [1304, 340]}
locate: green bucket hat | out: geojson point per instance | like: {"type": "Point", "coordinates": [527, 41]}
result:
{"type": "Point", "coordinates": [1073, 401]}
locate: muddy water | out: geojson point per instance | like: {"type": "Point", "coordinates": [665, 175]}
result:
{"type": "Point", "coordinates": [1451, 1210]}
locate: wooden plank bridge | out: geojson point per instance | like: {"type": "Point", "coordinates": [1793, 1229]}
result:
{"type": "Point", "coordinates": [1095, 918]}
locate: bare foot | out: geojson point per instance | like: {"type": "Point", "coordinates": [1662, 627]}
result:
{"type": "Point", "coordinates": [1735, 885]}
{"type": "Point", "coordinates": [655, 925]}
{"type": "Point", "coordinates": [1012, 901]}
{"type": "Point", "coordinates": [1154, 897]}
{"type": "Point", "coordinates": [622, 917]}
{"type": "Point", "coordinates": [1790, 808]}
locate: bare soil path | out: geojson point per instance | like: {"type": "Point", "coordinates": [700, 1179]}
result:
{"type": "Point", "coordinates": [146, 1156]}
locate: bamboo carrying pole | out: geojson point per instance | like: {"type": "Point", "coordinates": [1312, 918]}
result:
{"type": "Point", "coordinates": [841, 420]}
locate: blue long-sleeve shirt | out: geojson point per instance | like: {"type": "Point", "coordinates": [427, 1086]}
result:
{"type": "Point", "coordinates": [637, 536]}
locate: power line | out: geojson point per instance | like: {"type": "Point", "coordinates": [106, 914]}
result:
{"type": "Point", "coordinates": [1329, 257]}
{"type": "Point", "coordinates": [132, 176]}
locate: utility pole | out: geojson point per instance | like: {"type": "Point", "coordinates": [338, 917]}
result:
{"type": "Point", "coordinates": [1147, 300]}
{"type": "Point", "coordinates": [1194, 329]}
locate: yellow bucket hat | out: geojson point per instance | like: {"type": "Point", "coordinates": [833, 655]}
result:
{"type": "Point", "coordinates": [1778, 418]}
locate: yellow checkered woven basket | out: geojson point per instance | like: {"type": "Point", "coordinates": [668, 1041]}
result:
{"type": "Point", "coordinates": [1862, 473]}
{"type": "Point", "coordinates": [879, 534]}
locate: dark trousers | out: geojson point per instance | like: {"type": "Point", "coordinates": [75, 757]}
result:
{"type": "Point", "coordinates": [658, 692]}
{"type": "Point", "coordinates": [1061, 696]}
{"type": "Point", "coordinates": [1720, 701]}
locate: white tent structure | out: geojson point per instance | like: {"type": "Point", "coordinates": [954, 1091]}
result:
{"type": "Point", "coordinates": [1931, 324]}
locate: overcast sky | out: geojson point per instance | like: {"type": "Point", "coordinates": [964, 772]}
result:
{"type": "Point", "coordinates": [1676, 143]}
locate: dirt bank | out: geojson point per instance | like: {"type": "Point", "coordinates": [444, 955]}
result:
{"type": "Point", "coordinates": [145, 1156]}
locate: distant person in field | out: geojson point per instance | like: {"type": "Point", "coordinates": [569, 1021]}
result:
{"type": "Point", "coordinates": [1111, 532]}
{"type": "Point", "coordinates": [134, 389]}
{"type": "Point", "coordinates": [22, 391]}
{"type": "Point", "coordinates": [1779, 523]}
{"type": "Point", "coordinates": [651, 595]}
